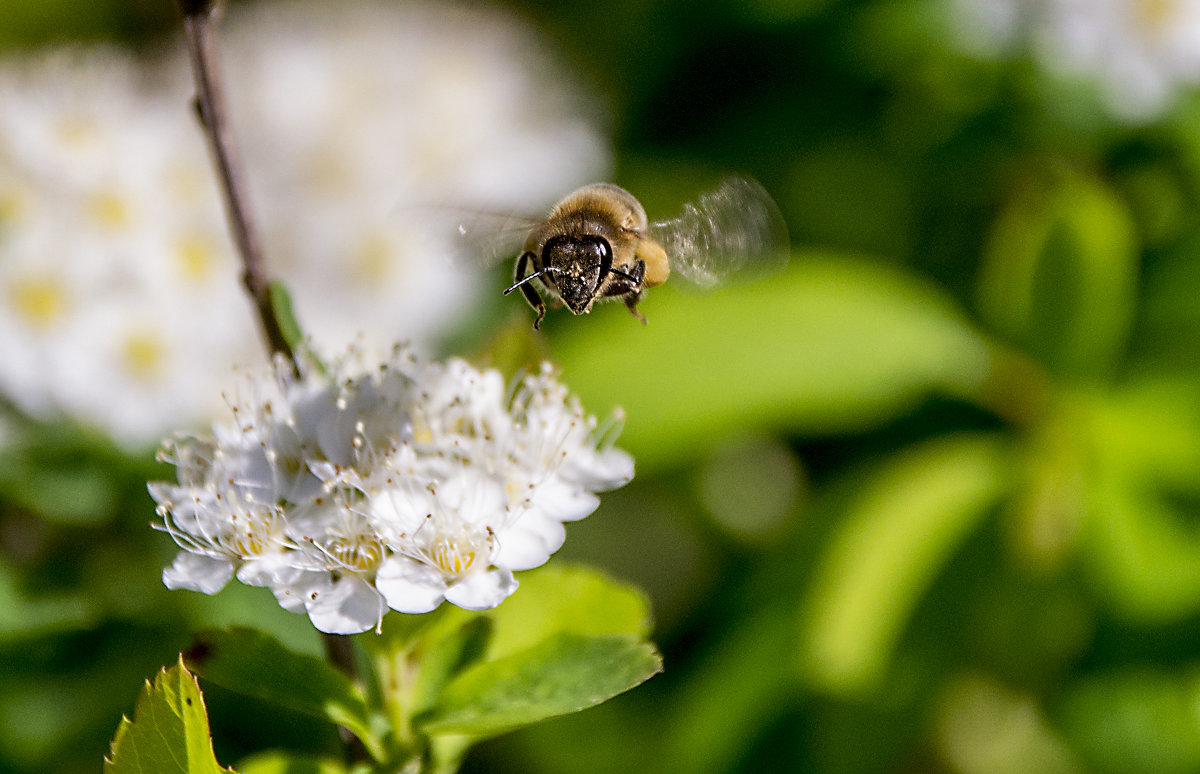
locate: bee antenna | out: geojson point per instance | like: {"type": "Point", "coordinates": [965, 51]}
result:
{"type": "Point", "coordinates": [524, 279]}
{"type": "Point", "coordinates": [620, 273]}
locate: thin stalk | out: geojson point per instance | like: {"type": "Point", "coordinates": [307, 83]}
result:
{"type": "Point", "coordinates": [199, 27]}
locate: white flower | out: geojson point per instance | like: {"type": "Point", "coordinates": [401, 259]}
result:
{"type": "Point", "coordinates": [119, 301]}
{"type": "Point", "coordinates": [354, 488]}
{"type": "Point", "coordinates": [1141, 53]}
{"type": "Point", "coordinates": [119, 296]}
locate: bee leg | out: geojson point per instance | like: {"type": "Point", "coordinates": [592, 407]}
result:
{"type": "Point", "coordinates": [532, 297]}
{"type": "Point", "coordinates": [628, 287]}
{"type": "Point", "coordinates": [627, 282]}
{"type": "Point", "coordinates": [631, 301]}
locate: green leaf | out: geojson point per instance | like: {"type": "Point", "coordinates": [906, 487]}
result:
{"type": "Point", "coordinates": [562, 674]}
{"type": "Point", "coordinates": [64, 471]}
{"type": "Point", "coordinates": [285, 315]}
{"type": "Point", "coordinates": [899, 531]}
{"type": "Point", "coordinates": [737, 685]}
{"type": "Point", "coordinates": [1138, 720]}
{"type": "Point", "coordinates": [1143, 556]}
{"type": "Point", "coordinates": [22, 616]}
{"type": "Point", "coordinates": [440, 658]}
{"type": "Point", "coordinates": [1060, 275]}
{"type": "Point", "coordinates": [1142, 547]}
{"type": "Point", "coordinates": [831, 345]}
{"type": "Point", "coordinates": [169, 730]}
{"type": "Point", "coordinates": [279, 762]}
{"type": "Point", "coordinates": [562, 599]}
{"type": "Point", "coordinates": [249, 662]}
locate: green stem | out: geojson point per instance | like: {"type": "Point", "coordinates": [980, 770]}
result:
{"type": "Point", "coordinates": [397, 676]}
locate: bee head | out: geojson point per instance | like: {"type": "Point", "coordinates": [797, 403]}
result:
{"type": "Point", "coordinates": [576, 265]}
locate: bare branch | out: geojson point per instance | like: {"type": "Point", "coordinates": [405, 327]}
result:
{"type": "Point", "coordinates": [199, 23]}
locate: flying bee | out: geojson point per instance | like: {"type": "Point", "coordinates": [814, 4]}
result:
{"type": "Point", "coordinates": [598, 245]}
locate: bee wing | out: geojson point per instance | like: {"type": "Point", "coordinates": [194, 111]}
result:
{"type": "Point", "coordinates": [732, 228]}
{"type": "Point", "coordinates": [474, 238]}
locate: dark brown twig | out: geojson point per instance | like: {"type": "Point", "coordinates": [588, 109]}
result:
{"type": "Point", "coordinates": [199, 22]}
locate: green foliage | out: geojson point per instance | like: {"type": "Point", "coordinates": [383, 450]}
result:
{"type": "Point", "coordinates": [1136, 720]}
{"type": "Point", "coordinates": [835, 345]}
{"type": "Point", "coordinates": [1063, 258]}
{"type": "Point", "coordinates": [571, 638]}
{"type": "Point", "coordinates": [906, 520]}
{"type": "Point", "coordinates": [251, 662]}
{"type": "Point", "coordinates": [169, 730]}
{"type": "Point", "coordinates": [445, 680]}
{"type": "Point", "coordinates": [561, 674]}
{"type": "Point", "coordinates": [982, 367]}
{"type": "Point", "coordinates": [285, 315]}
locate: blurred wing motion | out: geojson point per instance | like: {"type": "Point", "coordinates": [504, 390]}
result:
{"type": "Point", "coordinates": [735, 227]}
{"type": "Point", "coordinates": [473, 237]}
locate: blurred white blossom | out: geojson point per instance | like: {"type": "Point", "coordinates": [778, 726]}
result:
{"type": "Point", "coordinates": [118, 291]}
{"type": "Point", "coordinates": [1140, 53]}
{"type": "Point", "coordinates": [119, 296]}
{"type": "Point", "coordinates": [354, 488]}
{"type": "Point", "coordinates": [358, 110]}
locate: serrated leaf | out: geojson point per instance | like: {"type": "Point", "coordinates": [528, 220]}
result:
{"type": "Point", "coordinates": [831, 345]}
{"type": "Point", "coordinates": [562, 674]}
{"type": "Point", "coordinates": [900, 530]}
{"type": "Point", "coordinates": [250, 662]}
{"type": "Point", "coordinates": [169, 731]}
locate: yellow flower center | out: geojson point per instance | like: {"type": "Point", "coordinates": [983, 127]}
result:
{"type": "Point", "coordinates": [358, 553]}
{"type": "Point", "coordinates": [251, 537]}
{"type": "Point", "coordinates": [196, 258]}
{"type": "Point", "coordinates": [143, 355]}
{"type": "Point", "coordinates": [450, 557]}
{"type": "Point", "coordinates": [12, 205]}
{"type": "Point", "coordinates": [373, 260]}
{"type": "Point", "coordinates": [1156, 15]}
{"type": "Point", "coordinates": [76, 131]}
{"type": "Point", "coordinates": [40, 301]}
{"type": "Point", "coordinates": [109, 210]}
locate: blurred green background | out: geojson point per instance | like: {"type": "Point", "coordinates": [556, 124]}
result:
{"type": "Point", "coordinates": [928, 500]}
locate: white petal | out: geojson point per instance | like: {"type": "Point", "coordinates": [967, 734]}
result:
{"type": "Point", "coordinates": [607, 470]}
{"type": "Point", "coordinates": [292, 595]}
{"type": "Point", "coordinates": [561, 500]}
{"type": "Point", "coordinates": [348, 606]}
{"type": "Point", "coordinates": [198, 573]}
{"type": "Point", "coordinates": [273, 570]}
{"type": "Point", "coordinates": [482, 590]}
{"type": "Point", "coordinates": [529, 542]}
{"type": "Point", "coordinates": [409, 586]}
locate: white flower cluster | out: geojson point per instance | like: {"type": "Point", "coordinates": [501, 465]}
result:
{"type": "Point", "coordinates": [1141, 53]}
{"type": "Point", "coordinates": [349, 490]}
{"type": "Point", "coordinates": [119, 295]}
{"type": "Point", "coordinates": [117, 286]}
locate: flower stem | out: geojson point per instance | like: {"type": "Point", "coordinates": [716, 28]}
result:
{"type": "Point", "coordinates": [339, 651]}
{"type": "Point", "coordinates": [199, 23]}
